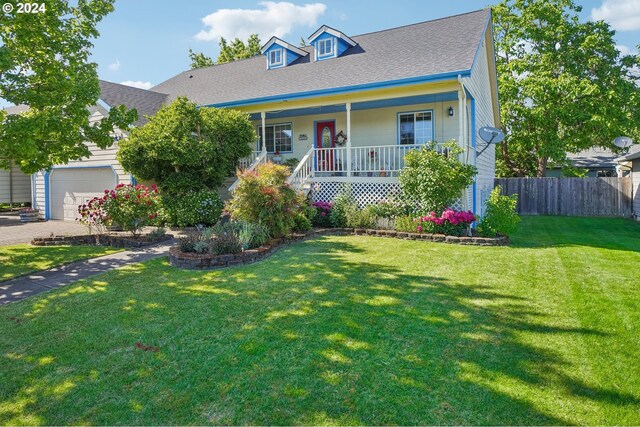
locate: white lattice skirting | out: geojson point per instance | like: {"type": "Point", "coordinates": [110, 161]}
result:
{"type": "Point", "coordinates": [364, 193]}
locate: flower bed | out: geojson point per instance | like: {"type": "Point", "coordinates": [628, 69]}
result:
{"type": "Point", "coordinates": [113, 240]}
{"type": "Point", "coordinates": [195, 261]}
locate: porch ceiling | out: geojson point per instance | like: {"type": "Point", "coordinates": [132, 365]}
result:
{"type": "Point", "coordinates": [365, 105]}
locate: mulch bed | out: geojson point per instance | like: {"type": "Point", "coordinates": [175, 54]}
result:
{"type": "Point", "coordinates": [113, 240]}
{"type": "Point", "coordinates": [196, 261]}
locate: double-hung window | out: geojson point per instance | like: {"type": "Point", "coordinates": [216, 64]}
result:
{"type": "Point", "coordinates": [325, 47]}
{"type": "Point", "coordinates": [279, 137]}
{"type": "Point", "coordinates": [415, 128]}
{"type": "Point", "coordinates": [275, 57]}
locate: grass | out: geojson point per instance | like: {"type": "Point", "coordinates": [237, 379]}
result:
{"type": "Point", "coordinates": [19, 260]}
{"type": "Point", "coordinates": [344, 330]}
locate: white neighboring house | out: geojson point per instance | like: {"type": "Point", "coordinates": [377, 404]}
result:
{"type": "Point", "coordinates": [58, 192]}
{"type": "Point", "coordinates": [15, 186]}
{"type": "Point", "coordinates": [631, 162]}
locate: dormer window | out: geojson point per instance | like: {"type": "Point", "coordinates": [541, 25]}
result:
{"type": "Point", "coordinates": [330, 43]}
{"type": "Point", "coordinates": [325, 47]}
{"type": "Point", "coordinates": [275, 58]}
{"type": "Point", "coordinates": [279, 53]}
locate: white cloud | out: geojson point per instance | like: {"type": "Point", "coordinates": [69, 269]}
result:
{"type": "Point", "coordinates": [622, 15]}
{"type": "Point", "coordinates": [139, 84]}
{"type": "Point", "coordinates": [115, 66]}
{"type": "Point", "coordinates": [275, 19]}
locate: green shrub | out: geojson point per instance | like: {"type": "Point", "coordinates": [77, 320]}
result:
{"type": "Point", "coordinates": [360, 218]}
{"type": "Point", "coordinates": [500, 214]}
{"type": "Point", "coordinates": [158, 232]}
{"type": "Point", "coordinates": [322, 214]}
{"type": "Point", "coordinates": [128, 206]}
{"type": "Point", "coordinates": [343, 202]}
{"type": "Point", "coordinates": [291, 163]}
{"type": "Point", "coordinates": [187, 243]}
{"type": "Point", "coordinates": [406, 223]}
{"type": "Point", "coordinates": [435, 180]}
{"type": "Point", "coordinates": [226, 243]}
{"type": "Point", "coordinates": [263, 196]}
{"type": "Point", "coordinates": [302, 222]}
{"type": "Point", "coordinates": [202, 207]}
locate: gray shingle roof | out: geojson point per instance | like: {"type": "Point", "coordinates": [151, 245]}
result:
{"type": "Point", "coordinates": [441, 46]}
{"type": "Point", "coordinates": [146, 102]}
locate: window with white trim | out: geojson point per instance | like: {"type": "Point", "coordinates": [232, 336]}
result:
{"type": "Point", "coordinates": [275, 57]}
{"type": "Point", "coordinates": [415, 128]}
{"type": "Point", "coordinates": [279, 137]}
{"type": "Point", "coordinates": [325, 47]}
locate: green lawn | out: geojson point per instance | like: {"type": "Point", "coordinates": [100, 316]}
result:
{"type": "Point", "coordinates": [18, 260]}
{"type": "Point", "coordinates": [344, 330]}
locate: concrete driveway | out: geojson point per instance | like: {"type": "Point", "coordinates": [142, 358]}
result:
{"type": "Point", "coordinates": [12, 231]}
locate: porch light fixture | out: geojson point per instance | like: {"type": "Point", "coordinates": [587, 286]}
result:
{"type": "Point", "coordinates": [450, 111]}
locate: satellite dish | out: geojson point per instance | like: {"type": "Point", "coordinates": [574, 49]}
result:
{"type": "Point", "coordinates": [491, 135]}
{"type": "Point", "coordinates": [622, 142]}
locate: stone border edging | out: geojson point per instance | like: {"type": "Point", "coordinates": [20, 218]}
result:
{"type": "Point", "coordinates": [114, 241]}
{"type": "Point", "coordinates": [195, 261]}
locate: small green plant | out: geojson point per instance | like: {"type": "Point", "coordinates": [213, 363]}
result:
{"type": "Point", "coordinates": [406, 223]}
{"type": "Point", "coordinates": [223, 244]}
{"type": "Point", "coordinates": [360, 218]}
{"type": "Point", "coordinates": [157, 232]}
{"type": "Point", "coordinates": [201, 247]}
{"type": "Point", "coordinates": [302, 223]}
{"type": "Point", "coordinates": [435, 180]}
{"type": "Point", "coordinates": [187, 243]}
{"type": "Point", "coordinates": [500, 214]}
{"type": "Point", "coordinates": [343, 202]}
{"type": "Point", "coordinates": [251, 235]}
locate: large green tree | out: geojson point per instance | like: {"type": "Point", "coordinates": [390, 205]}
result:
{"type": "Point", "coordinates": [563, 84]}
{"type": "Point", "coordinates": [229, 52]}
{"type": "Point", "coordinates": [185, 148]}
{"type": "Point", "coordinates": [44, 65]}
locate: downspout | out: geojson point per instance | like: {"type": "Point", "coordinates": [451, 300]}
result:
{"type": "Point", "coordinates": [464, 133]}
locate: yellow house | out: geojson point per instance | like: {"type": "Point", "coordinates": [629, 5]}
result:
{"type": "Point", "coordinates": [346, 109]}
{"type": "Point", "coordinates": [340, 110]}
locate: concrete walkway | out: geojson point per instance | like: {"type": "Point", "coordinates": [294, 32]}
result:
{"type": "Point", "coordinates": [12, 231]}
{"type": "Point", "coordinates": [42, 281]}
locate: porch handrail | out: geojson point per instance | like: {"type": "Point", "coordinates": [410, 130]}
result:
{"type": "Point", "coordinates": [303, 171]}
{"type": "Point", "coordinates": [246, 162]}
{"type": "Point", "coordinates": [381, 158]}
{"type": "Point", "coordinates": [261, 158]}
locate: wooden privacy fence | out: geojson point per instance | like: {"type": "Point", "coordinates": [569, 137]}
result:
{"type": "Point", "coordinates": [570, 196]}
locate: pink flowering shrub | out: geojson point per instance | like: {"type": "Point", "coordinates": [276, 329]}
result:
{"type": "Point", "coordinates": [322, 216]}
{"type": "Point", "coordinates": [131, 207]}
{"type": "Point", "coordinates": [451, 222]}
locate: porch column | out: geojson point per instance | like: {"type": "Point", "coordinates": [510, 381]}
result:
{"type": "Point", "coordinates": [460, 120]}
{"type": "Point", "coordinates": [348, 107]}
{"type": "Point", "coordinates": [263, 116]}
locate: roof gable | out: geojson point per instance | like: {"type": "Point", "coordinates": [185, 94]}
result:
{"type": "Point", "coordinates": [425, 51]}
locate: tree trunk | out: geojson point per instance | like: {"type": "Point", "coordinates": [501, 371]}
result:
{"type": "Point", "coordinates": [542, 167]}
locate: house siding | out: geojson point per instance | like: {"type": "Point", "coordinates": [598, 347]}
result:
{"type": "Point", "coordinates": [15, 188]}
{"type": "Point", "coordinates": [482, 90]}
{"type": "Point", "coordinates": [98, 158]}
{"type": "Point", "coordinates": [368, 127]}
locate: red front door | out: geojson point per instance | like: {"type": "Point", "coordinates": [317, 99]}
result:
{"type": "Point", "coordinates": [325, 134]}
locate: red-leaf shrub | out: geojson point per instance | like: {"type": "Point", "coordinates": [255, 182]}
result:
{"type": "Point", "coordinates": [451, 222]}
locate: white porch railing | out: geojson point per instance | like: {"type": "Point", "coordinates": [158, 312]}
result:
{"type": "Point", "coordinates": [246, 162]}
{"type": "Point", "coordinates": [260, 157]}
{"type": "Point", "coordinates": [300, 176]}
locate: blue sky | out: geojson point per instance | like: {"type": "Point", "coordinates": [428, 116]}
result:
{"type": "Point", "coordinates": [145, 42]}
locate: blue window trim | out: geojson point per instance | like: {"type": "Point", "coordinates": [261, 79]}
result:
{"type": "Point", "coordinates": [475, 153]}
{"type": "Point", "coordinates": [433, 123]}
{"type": "Point", "coordinates": [259, 143]}
{"type": "Point", "coordinates": [47, 196]}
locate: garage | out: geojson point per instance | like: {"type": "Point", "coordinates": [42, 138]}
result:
{"type": "Point", "coordinates": [70, 187]}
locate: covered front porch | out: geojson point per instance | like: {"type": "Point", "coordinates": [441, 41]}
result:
{"type": "Point", "coordinates": [362, 142]}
